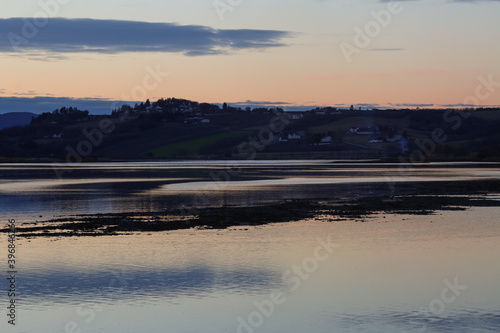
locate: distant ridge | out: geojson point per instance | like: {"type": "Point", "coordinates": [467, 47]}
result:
{"type": "Point", "coordinates": [12, 119]}
{"type": "Point", "coordinates": [180, 129]}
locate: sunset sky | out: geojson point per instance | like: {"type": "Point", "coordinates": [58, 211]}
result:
{"type": "Point", "coordinates": [290, 53]}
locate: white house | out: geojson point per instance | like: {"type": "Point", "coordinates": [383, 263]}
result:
{"type": "Point", "coordinates": [326, 140]}
{"type": "Point", "coordinates": [367, 131]}
{"type": "Point", "coordinates": [377, 140]}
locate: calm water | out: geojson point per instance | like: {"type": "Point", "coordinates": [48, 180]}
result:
{"type": "Point", "coordinates": [393, 273]}
{"type": "Point", "coordinates": [28, 191]}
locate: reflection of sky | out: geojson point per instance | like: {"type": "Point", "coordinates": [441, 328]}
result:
{"type": "Point", "coordinates": [397, 321]}
{"type": "Point", "coordinates": [384, 271]}
{"type": "Point", "coordinates": [196, 186]}
{"type": "Point", "coordinates": [52, 287]}
{"type": "Point", "coordinates": [28, 191]}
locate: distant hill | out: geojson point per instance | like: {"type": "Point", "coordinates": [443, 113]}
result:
{"type": "Point", "coordinates": [12, 119]}
{"type": "Point", "coordinates": [181, 129]}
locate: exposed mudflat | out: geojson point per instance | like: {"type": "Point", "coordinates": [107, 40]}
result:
{"type": "Point", "coordinates": [408, 198]}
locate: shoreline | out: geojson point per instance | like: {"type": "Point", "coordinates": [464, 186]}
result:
{"type": "Point", "coordinates": [283, 159]}
{"type": "Point", "coordinates": [408, 198]}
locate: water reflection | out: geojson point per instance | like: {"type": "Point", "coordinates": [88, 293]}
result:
{"type": "Point", "coordinates": [56, 287]}
{"type": "Point", "coordinates": [28, 191]}
{"type": "Point", "coordinates": [380, 277]}
{"type": "Point", "coordinates": [397, 321]}
{"type": "Point", "coordinates": [204, 280]}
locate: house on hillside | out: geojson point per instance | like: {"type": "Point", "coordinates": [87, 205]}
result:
{"type": "Point", "coordinates": [327, 140]}
{"type": "Point", "coordinates": [377, 140]}
{"type": "Point", "coordinates": [297, 116]}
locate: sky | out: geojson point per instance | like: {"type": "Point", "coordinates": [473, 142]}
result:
{"type": "Point", "coordinates": [290, 53]}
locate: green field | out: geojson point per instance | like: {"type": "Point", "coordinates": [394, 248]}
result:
{"type": "Point", "coordinates": [193, 146]}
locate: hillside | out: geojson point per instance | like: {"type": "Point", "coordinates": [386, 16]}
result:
{"type": "Point", "coordinates": [180, 129]}
{"type": "Point", "coordinates": [12, 119]}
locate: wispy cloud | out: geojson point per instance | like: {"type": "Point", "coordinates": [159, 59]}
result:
{"type": "Point", "coordinates": [263, 103]}
{"type": "Point", "coordinates": [29, 93]}
{"type": "Point", "coordinates": [62, 35]}
{"type": "Point", "coordinates": [412, 105]}
{"type": "Point", "coordinates": [388, 75]}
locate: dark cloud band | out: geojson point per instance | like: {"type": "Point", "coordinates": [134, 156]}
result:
{"type": "Point", "coordinates": [59, 35]}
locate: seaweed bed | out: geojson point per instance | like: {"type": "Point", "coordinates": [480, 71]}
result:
{"type": "Point", "coordinates": [407, 198]}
